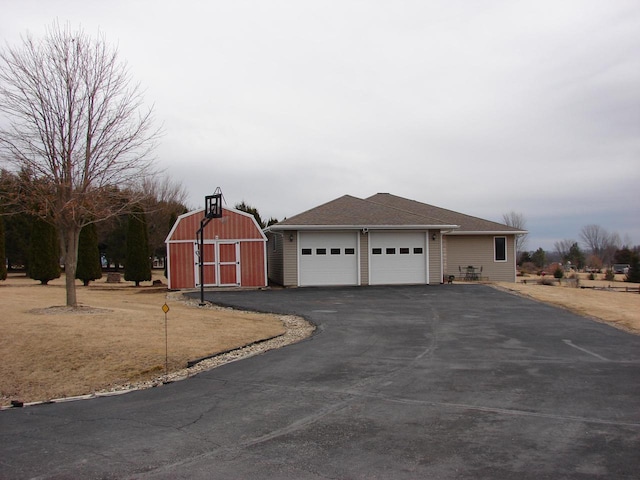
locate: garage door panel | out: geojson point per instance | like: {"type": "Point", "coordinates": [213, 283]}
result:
{"type": "Point", "coordinates": [397, 258]}
{"type": "Point", "coordinates": [328, 258]}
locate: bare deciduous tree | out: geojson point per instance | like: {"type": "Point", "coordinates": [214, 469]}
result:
{"type": "Point", "coordinates": [595, 238]}
{"type": "Point", "coordinates": [78, 125]}
{"type": "Point", "coordinates": [563, 247]}
{"type": "Point", "coordinates": [600, 242]}
{"type": "Point", "coordinates": [517, 220]}
{"type": "Point", "coordinates": [165, 190]}
{"type": "Point", "coordinates": [166, 200]}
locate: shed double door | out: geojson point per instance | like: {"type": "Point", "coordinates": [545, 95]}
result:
{"type": "Point", "coordinates": [221, 263]}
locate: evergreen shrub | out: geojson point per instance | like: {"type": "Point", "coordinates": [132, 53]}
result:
{"type": "Point", "coordinates": [89, 267]}
{"type": "Point", "coordinates": [137, 266]}
{"type": "Point", "coordinates": [44, 252]}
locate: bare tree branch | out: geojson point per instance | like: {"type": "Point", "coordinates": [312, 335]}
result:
{"type": "Point", "coordinates": [78, 126]}
{"type": "Point", "coordinates": [600, 242]}
{"type": "Point", "coordinates": [517, 220]}
{"type": "Point", "coordinates": [563, 247]}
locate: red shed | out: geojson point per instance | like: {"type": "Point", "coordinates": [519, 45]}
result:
{"type": "Point", "coordinates": [234, 251]}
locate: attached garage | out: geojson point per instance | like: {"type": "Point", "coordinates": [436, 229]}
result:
{"type": "Point", "coordinates": [328, 258]}
{"type": "Point", "coordinates": [234, 252]}
{"type": "Point", "coordinates": [398, 258]}
{"type": "Point", "coordinates": [386, 240]}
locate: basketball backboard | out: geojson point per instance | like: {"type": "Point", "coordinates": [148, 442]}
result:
{"type": "Point", "coordinates": [213, 205]}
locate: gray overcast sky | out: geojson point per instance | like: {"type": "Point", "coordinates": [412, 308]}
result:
{"type": "Point", "coordinates": [477, 106]}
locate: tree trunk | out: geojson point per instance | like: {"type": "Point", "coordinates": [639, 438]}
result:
{"type": "Point", "coordinates": [70, 263]}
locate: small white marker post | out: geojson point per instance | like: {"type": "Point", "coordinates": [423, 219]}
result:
{"type": "Point", "coordinates": [165, 309]}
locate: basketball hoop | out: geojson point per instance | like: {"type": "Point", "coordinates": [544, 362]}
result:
{"type": "Point", "coordinates": [213, 204]}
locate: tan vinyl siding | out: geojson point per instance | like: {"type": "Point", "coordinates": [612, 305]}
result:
{"type": "Point", "coordinates": [290, 259]}
{"type": "Point", "coordinates": [435, 275]}
{"type": "Point", "coordinates": [275, 257]}
{"type": "Point", "coordinates": [364, 258]}
{"type": "Point", "coordinates": [478, 250]}
{"type": "Point", "coordinates": [445, 256]}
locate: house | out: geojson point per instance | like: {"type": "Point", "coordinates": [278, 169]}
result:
{"type": "Point", "coordinates": [234, 251]}
{"type": "Point", "coordinates": [386, 240]}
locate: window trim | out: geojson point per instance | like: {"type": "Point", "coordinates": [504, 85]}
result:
{"type": "Point", "coordinates": [495, 249]}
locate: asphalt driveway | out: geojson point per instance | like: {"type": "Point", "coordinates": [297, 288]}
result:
{"type": "Point", "coordinates": [442, 382]}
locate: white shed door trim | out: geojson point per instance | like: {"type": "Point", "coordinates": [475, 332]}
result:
{"type": "Point", "coordinates": [231, 264]}
{"type": "Point", "coordinates": [398, 258]}
{"type": "Point", "coordinates": [328, 258]}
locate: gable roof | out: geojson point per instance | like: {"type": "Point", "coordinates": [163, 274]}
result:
{"type": "Point", "coordinates": [468, 224]}
{"type": "Point", "coordinates": [384, 210]}
{"type": "Point", "coordinates": [354, 213]}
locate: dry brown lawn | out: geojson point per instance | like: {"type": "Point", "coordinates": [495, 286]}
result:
{"type": "Point", "coordinates": [608, 303]}
{"type": "Point", "coordinates": [117, 337]}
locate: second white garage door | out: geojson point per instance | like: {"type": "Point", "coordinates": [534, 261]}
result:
{"type": "Point", "coordinates": [397, 258]}
{"type": "Point", "coordinates": [328, 258]}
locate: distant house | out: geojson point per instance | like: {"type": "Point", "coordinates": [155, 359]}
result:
{"type": "Point", "coordinates": [234, 251]}
{"type": "Point", "coordinates": [386, 240]}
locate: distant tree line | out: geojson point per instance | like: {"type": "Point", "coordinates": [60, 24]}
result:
{"type": "Point", "coordinates": [31, 243]}
{"type": "Point", "coordinates": [129, 241]}
{"type": "Point", "coordinates": [598, 251]}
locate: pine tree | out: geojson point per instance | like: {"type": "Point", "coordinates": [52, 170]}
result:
{"type": "Point", "coordinates": [17, 239]}
{"type": "Point", "coordinates": [633, 275]}
{"type": "Point", "coordinates": [539, 258]}
{"type": "Point", "coordinates": [44, 252]}
{"type": "Point", "coordinates": [137, 267]}
{"type": "Point", "coordinates": [575, 256]}
{"type": "Point", "coordinates": [3, 257]}
{"type": "Point", "coordinates": [89, 267]}
{"type": "Point", "coordinates": [245, 207]}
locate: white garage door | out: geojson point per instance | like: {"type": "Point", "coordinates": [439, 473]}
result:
{"type": "Point", "coordinates": [396, 258]}
{"type": "Point", "coordinates": [328, 258]}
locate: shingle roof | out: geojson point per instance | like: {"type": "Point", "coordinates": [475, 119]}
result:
{"type": "Point", "coordinates": [386, 210]}
{"type": "Point", "coordinates": [467, 223]}
{"type": "Point", "coordinates": [350, 211]}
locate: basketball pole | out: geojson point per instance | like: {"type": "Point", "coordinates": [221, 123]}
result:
{"type": "Point", "coordinates": [203, 223]}
{"type": "Point", "coordinates": [212, 209]}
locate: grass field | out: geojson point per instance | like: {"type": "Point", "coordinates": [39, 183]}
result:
{"type": "Point", "coordinates": [603, 300]}
{"type": "Point", "coordinates": [117, 337]}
